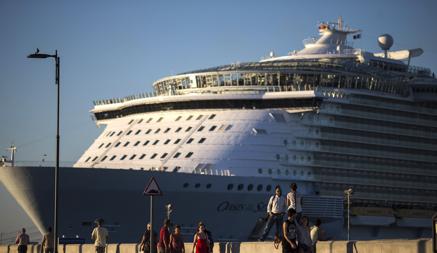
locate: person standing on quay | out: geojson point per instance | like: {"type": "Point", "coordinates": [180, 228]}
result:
{"type": "Point", "coordinates": [289, 233]}
{"type": "Point", "coordinates": [176, 242]}
{"type": "Point", "coordinates": [201, 241]}
{"type": "Point", "coordinates": [164, 238]}
{"type": "Point", "coordinates": [294, 200]}
{"type": "Point", "coordinates": [100, 236]}
{"type": "Point", "coordinates": [145, 240]}
{"type": "Point", "coordinates": [275, 209]}
{"type": "Point", "coordinates": [47, 244]}
{"type": "Point", "coordinates": [22, 240]}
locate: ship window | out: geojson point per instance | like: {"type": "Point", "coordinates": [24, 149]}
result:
{"type": "Point", "coordinates": [176, 169]}
{"type": "Point", "coordinates": [133, 156]}
{"type": "Point", "coordinates": [208, 186]}
{"type": "Point", "coordinates": [107, 145]}
{"type": "Point", "coordinates": [179, 129]}
{"type": "Point", "coordinates": [240, 187]}
{"type": "Point", "coordinates": [136, 143]}
{"type": "Point", "coordinates": [178, 118]}
{"type": "Point", "coordinates": [212, 116]}
{"type": "Point", "coordinates": [129, 132]}
{"type": "Point", "coordinates": [139, 131]}
{"type": "Point", "coordinates": [189, 155]}
{"type": "Point", "coordinates": [200, 128]}
{"type": "Point", "coordinates": [190, 140]}
{"type": "Point", "coordinates": [146, 142]}
{"type": "Point", "coordinates": [113, 157]}
{"type": "Point", "coordinates": [287, 172]}
{"type": "Point", "coordinates": [278, 156]}
{"type": "Point", "coordinates": [177, 141]}
{"type": "Point", "coordinates": [142, 156]}
{"type": "Point", "coordinates": [123, 157]}
{"type": "Point", "coordinates": [270, 171]}
{"type": "Point", "coordinates": [112, 134]}
{"type": "Point", "coordinates": [228, 128]}
{"type": "Point", "coordinates": [250, 187]}
{"type": "Point", "coordinates": [118, 144]}
{"type": "Point", "coordinates": [88, 159]}
{"type": "Point", "coordinates": [259, 131]}
{"type": "Point", "coordinates": [119, 133]}
{"type": "Point", "coordinates": [164, 155]}
{"type": "Point", "coordinates": [125, 145]}
{"type": "Point", "coordinates": [230, 187]}
{"type": "Point", "coordinates": [190, 117]}
{"type": "Point", "coordinates": [160, 119]}
{"type": "Point", "coordinates": [139, 122]}
{"type": "Point", "coordinates": [199, 117]}
{"type": "Point", "coordinates": [166, 130]}
{"type": "Point", "coordinates": [167, 141]}
{"type": "Point", "coordinates": [148, 131]}
{"type": "Point", "coordinates": [212, 128]}
{"type": "Point", "coordinates": [153, 156]}
{"type": "Point", "coordinates": [150, 119]}
{"type": "Point", "coordinates": [188, 129]}
{"type": "Point", "coordinates": [202, 140]}
{"type": "Point", "coordinates": [157, 130]}
{"type": "Point", "coordinates": [197, 185]}
{"type": "Point", "coordinates": [155, 142]}
{"type": "Point", "coordinates": [130, 122]}
{"type": "Point", "coordinates": [268, 188]}
{"type": "Point", "coordinates": [186, 185]}
{"type": "Point", "coordinates": [259, 187]}
{"type": "Point", "coordinates": [177, 155]}
{"type": "Point", "coordinates": [260, 171]}
{"type": "Point", "coordinates": [101, 145]}
{"type": "Point", "coordinates": [279, 172]}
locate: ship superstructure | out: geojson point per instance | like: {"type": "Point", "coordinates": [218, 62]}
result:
{"type": "Point", "coordinates": [328, 117]}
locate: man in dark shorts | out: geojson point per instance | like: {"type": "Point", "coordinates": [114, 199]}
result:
{"type": "Point", "coordinates": [22, 241]}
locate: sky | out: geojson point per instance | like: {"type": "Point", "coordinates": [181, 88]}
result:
{"type": "Point", "coordinates": [119, 48]}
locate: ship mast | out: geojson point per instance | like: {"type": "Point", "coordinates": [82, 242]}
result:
{"type": "Point", "coordinates": [12, 149]}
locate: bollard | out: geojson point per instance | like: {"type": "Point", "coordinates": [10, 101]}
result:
{"type": "Point", "coordinates": [434, 233]}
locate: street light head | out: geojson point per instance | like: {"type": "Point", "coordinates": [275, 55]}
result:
{"type": "Point", "coordinates": [37, 55]}
{"type": "Point", "coordinates": [348, 191]}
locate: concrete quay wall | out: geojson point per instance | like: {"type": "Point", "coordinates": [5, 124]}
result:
{"type": "Point", "coordinates": [380, 246]}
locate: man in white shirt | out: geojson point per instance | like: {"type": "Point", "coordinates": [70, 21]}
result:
{"type": "Point", "coordinates": [100, 236]}
{"type": "Point", "coordinates": [294, 200]}
{"type": "Point", "coordinates": [22, 240]}
{"type": "Point", "coordinates": [276, 209]}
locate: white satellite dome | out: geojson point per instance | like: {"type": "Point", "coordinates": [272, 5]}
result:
{"type": "Point", "coordinates": [385, 41]}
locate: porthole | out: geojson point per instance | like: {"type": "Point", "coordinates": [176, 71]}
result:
{"type": "Point", "coordinates": [129, 132]}
{"type": "Point", "coordinates": [177, 155]}
{"type": "Point", "coordinates": [212, 116]}
{"type": "Point", "coordinates": [119, 133]}
{"type": "Point", "coordinates": [148, 131]}
{"type": "Point", "coordinates": [199, 117]}
{"type": "Point", "coordinates": [157, 130]}
{"type": "Point", "coordinates": [113, 157]}
{"type": "Point", "coordinates": [132, 157]}
{"type": "Point", "coordinates": [95, 158]}
{"type": "Point", "coordinates": [189, 155]}
{"type": "Point", "coordinates": [186, 185]}
{"type": "Point", "coordinates": [159, 120]}
{"type": "Point", "coordinates": [250, 187]}
{"type": "Point", "coordinates": [146, 142]}
{"type": "Point", "coordinates": [268, 188]}
{"type": "Point", "coordinates": [164, 155]}
{"type": "Point", "coordinates": [208, 186]}
{"type": "Point", "coordinates": [125, 145]}
{"type": "Point", "coordinates": [260, 171]}
{"type": "Point", "coordinates": [178, 118]}
{"type": "Point", "coordinates": [139, 122]}
{"type": "Point", "coordinates": [107, 145]}
{"type": "Point", "coordinates": [166, 130]}
{"type": "Point", "coordinates": [240, 187]}
{"type": "Point", "coordinates": [190, 140]}
{"type": "Point", "coordinates": [88, 159]}
{"type": "Point", "coordinates": [138, 132]}
{"type": "Point", "coordinates": [188, 129]}
{"type": "Point", "coordinates": [101, 145]}
{"type": "Point", "coordinates": [230, 187]}
{"type": "Point", "coordinates": [167, 141]}
{"type": "Point", "coordinates": [212, 128]}
{"type": "Point", "coordinates": [136, 143]}
{"type": "Point", "coordinates": [200, 128]}
{"type": "Point", "coordinates": [123, 157]}
{"type": "Point", "coordinates": [259, 187]}
{"type": "Point", "coordinates": [177, 141]}
{"type": "Point", "coordinates": [190, 117]}
{"type": "Point", "coordinates": [142, 156]}
{"type": "Point", "coordinates": [270, 171]}
{"type": "Point", "coordinates": [197, 185]}
{"type": "Point", "coordinates": [150, 119]}
{"type": "Point", "coordinates": [153, 156]}
{"type": "Point", "coordinates": [118, 144]}
{"type": "Point", "coordinates": [130, 122]}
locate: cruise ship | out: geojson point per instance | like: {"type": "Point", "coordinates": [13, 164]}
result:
{"type": "Point", "coordinates": [329, 117]}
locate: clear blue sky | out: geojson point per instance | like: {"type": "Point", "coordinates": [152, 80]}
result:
{"type": "Point", "coordinates": [118, 48]}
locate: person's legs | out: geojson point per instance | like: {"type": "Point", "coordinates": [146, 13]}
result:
{"type": "Point", "coordinates": [278, 221]}
{"type": "Point", "coordinates": [267, 227]}
{"type": "Point", "coordinates": [100, 249]}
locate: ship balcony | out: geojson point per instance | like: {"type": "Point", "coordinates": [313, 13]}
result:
{"type": "Point", "coordinates": [369, 128]}
{"type": "Point", "coordinates": [376, 116]}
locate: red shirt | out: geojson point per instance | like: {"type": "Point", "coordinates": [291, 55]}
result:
{"type": "Point", "coordinates": [164, 237]}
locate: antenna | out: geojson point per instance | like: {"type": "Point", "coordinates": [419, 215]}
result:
{"type": "Point", "coordinates": [340, 23]}
{"type": "Point", "coordinates": [12, 149]}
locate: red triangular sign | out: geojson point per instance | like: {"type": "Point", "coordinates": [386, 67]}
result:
{"type": "Point", "coordinates": [152, 188]}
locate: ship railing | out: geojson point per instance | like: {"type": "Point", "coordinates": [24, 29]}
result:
{"type": "Point", "coordinates": [420, 71]}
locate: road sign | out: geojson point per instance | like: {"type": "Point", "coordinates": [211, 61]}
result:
{"type": "Point", "coordinates": [152, 188]}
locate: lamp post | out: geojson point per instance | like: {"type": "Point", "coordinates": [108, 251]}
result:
{"type": "Point", "coordinates": [348, 192]}
{"type": "Point", "coordinates": [38, 55]}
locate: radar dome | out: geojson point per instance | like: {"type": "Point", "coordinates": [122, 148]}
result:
{"type": "Point", "coordinates": [385, 41]}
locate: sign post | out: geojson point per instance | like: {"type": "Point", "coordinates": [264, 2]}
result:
{"type": "Point", "coordinates": [152, 189]}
